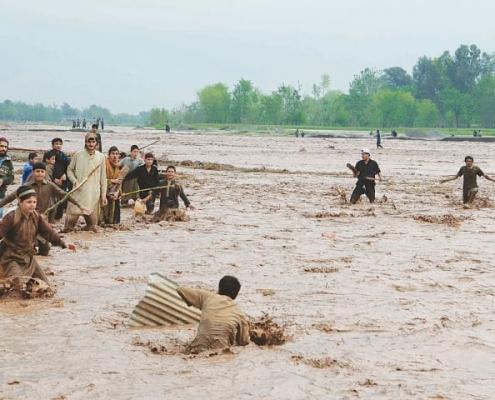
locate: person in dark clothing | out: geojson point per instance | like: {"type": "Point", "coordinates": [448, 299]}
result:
{"type": "Point", "coordinates": [394, 134]}
{"type": "Point", "coordinates": [167, 128]}
{"type": "Point", "coordinates": [378, 140]}
{"type": "Point", "coordinates": [147, 178]}
{"type": "Point", "coordinates": [169, 195]}
{"type": "Point", "coordinates": [102, 124]}
{"type": "Point", "coordinates": [62, 161]}
{"type": "Point", "coordinates": [84, 123]}
{"type": "Point", "coordinates": [365, 170]}
{"type": "Point", "coordinates": [470, 172]}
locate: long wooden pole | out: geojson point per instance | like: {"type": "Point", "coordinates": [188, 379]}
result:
{"type": "Point", "coordinates": [72, 191]}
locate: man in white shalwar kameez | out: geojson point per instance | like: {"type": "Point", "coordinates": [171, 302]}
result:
{"type": "Point", "coordinates": [91, 192]}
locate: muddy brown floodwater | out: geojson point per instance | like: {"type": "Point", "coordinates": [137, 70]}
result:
{"type": "Point", "coordinates": [390, 301]}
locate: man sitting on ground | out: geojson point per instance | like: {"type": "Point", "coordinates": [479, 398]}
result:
{"type": "Point", "coordinates": [222, 323]}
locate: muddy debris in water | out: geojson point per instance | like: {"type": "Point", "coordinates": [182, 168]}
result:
{"type": "Point", "coordinates": [328, 214]}
{"type": "Point", "coordinates": [446, 219]}
{"type": "Point", "coordinates": [368, 382]}
{"type": "Point", "coordinates": [266, 332]}
{"type": "Point", "coordinates": [153, 347]}
{"type": "Point", "coordinates": [266, 292]}
{"type": "Point", "coordinates": [321, 270]}
{"type": "Point", "coordinates": [321, 363]}
{"type": "Point", "coordinates": [171, 215]}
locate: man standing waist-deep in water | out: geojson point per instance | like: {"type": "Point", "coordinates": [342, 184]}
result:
{"type": "Point", "coordinates": [365, 170]}
{"type": "Point", "coordinates": [470, 172]}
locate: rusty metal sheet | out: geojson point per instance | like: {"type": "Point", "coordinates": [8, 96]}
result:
{"type": "Point", "coordinates": [162, 305]}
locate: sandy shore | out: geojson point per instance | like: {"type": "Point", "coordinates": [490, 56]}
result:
{"type": "Point", "coordinates": [379, 302]}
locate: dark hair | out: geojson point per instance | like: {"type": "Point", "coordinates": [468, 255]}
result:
{"type": "Point", "coordinates": [171, 167]}
{"type": "Point", "coordinates": [149, 155]}
{"type": "Point", "coordinates": [49, 154]}
{"type": "Point", "coordinates": [122, 154]}
{"type": "Point", "coordinates": [468, 158]}
{"type": "Point", "coordinates": [39, 165]}
{"type": "Point", "coordinates": [134, 147]}
{"type": "Point", "coordinates": [94, 126]}
{"type": "Point", "coordinates": [113, 148]}
{"type": "Point", "coordinates": [32, 155]}
{"type": "Point", "coordinates": [229, 286]}
{"type": "Point", "coordinates": [3, 139]}
{"type": "Point", "coordinates": [57, 139]}
{"type": "Point", "coordinates": [25, 188]}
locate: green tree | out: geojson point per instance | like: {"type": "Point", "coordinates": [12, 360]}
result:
{"type": "Point", "coordinates": [361, 91]}
{"type": "Point", "coordinates": [393, 108]}
{"type": "Point", "coordinates": [396, 78]}
{"type": "Point", "coordinates": [484, 101]}
{"type": "Point", "coordinates": [244, 102]}
{"type": "Point", "coordinates": [271, 109]}
{"type": "Point", "coordinates": [214, 102]}
{"type": "Point", "coordinates": [427, 114]}
{"type": "Point", "coordinates": [291, 105]}
{"type": "Point", "coordinates": [459, 105]}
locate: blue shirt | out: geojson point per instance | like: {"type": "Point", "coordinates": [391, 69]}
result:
{"type": "Point", "coordinates": [27, 170]}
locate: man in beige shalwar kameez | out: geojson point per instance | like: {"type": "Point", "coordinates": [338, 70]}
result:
{"type": "Point", "coordinates": [92, 192]}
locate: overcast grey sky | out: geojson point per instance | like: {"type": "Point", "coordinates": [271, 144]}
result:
{"type": "Point", "coordinates": [132, 55]}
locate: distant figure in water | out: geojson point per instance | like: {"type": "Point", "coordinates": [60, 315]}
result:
{"type": "Point", "coordinates": [167, 128]}
{"type": "Point", "coordinates": [78, 123]}
{"type": "Point", "coordinates": [102, 124]}
{"type": "Point", "coordinates": [97, 123]}
{"type": "Point", "coordinates": [73, 124]}
{"type": "Point", "coordinates": [378, 140]}
{"type": "Point", "coordinates": [296, 133]}
{"type": "Point", "coordinates": [394, 134]}
{"type": "Point", "coordinates": [84, 123]}
{"type": "Point", "coordinates": [302, 133]}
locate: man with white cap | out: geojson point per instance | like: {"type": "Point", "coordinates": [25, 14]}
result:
{"type": "Point", "coordinates": [365, 170]}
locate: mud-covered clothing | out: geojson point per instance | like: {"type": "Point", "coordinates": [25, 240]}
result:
{"type": "Point", "coordinates": [470, 176]}
{"type": "Point", "coordinates": [169, 195]}
{"type": "Point", "coordinates": [49, 171]}
{"type": "Point", "coordinates": [222, 322]}
{"type": "Point", "coordinates": [367, 170]}
{"type": "Point", "coordinates": [6, 174]}
{"type": "Point", "coordinates": [130, 163]}
{"type": "Point", "coordinates": [19, 233]}
{"type": "Point", "coordinates": [47, 194]}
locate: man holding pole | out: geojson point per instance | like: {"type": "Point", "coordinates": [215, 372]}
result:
{"type": "Point", "coordinates": [87, 173]}
{"type": "Point", "coordinates": [365, 170]}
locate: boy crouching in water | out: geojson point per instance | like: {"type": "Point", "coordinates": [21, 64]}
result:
{"type": "Point", "coordinates": [18, 232]}
{"type": "Point", "coordinates": [222, 323]}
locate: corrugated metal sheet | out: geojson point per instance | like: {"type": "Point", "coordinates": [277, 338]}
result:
{"type": "Point", "coordinates": [162, 305]}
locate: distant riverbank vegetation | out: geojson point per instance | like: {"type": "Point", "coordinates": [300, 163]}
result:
{"type": "Point", "coordinates": [449, 91]}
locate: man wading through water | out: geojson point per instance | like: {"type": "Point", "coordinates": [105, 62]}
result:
{"type": "Point", "coordinates": [90, 164]}
{"type": "Point", "coordinates": [18, 232]}
{"type": "Point", "coordinates": [169, 197]}
{"type": "Point", "coordinates": [365, 170]}
{"type": "Point", "coordinates": [131, 161]}
{"type": "Point", "coordinates": [470, 172]}
{"type": "Point", "coordinates": [47, 193]}
{"type": "Point", "coordinates": [147, 178]}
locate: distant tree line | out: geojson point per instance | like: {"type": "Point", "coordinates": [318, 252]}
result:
{"type": "Point", "coordinates": [452, 90]}
{"type": "Point", "coordinates": [21, 112]}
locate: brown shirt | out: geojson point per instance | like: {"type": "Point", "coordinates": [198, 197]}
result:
{"type": "Point", "coordinates": [46, 191]}
{"type": "Point", "coordinates": [222, 323]}
{"type": "Point", "coordinates": [470, 175]}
